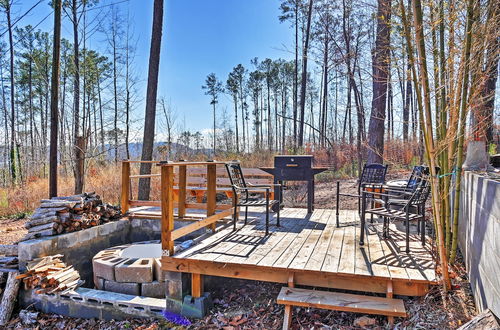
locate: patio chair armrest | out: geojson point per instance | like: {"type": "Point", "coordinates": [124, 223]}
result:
{"type": "Point", "coordinates": [270, 185]}
{"type": "Point", "coordinates": [350, 195]}
{"type": "Point", "coordinates": [399, 191]}
{"type": "Point", "coordinates": [365, 192]}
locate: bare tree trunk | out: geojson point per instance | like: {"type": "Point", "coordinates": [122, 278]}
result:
{"type": "Point", "coordinates": [296, 73]}
{"type": "Point", "coordinates": [149, 121]}
{"type": "Point", "coordinates": [54, 99]}
{"type": "Point", "coordinates": [12, 97]}
{"type": "Point", "coordinates": [77, 142]}
{"type": "Point", "coordinates": [303, 82]}
{"type": "Point", "coordinates": [380, 66]}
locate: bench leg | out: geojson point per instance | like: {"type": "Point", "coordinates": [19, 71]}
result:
{"type": "Point", "coordinates": [287, 319]}
{"type": "Point", "coordinates": [389, 294]}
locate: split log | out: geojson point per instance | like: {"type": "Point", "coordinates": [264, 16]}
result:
{"type": "Point", "coordinates": [8, 250]}
{"type": "Point", "coordinates": [57, 204]}
{"type": "Point", "coordinates": [40, 221]}
{"type": "Point", "coordinates": [9, 298]}
{"type": "Point", "coordinates": [49, 225]}
{"type": "Point", "coordinates": [38, 234]}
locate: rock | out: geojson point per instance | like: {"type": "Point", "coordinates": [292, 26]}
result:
{"type": "Point", "coordinates": [364, 321]}
{"type": "Point", "coordinates": [28, 317]}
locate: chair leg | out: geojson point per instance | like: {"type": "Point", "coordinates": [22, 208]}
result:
{"type": "Point", "coordinates": [278, 217]}
{"type": "Point", "coordinates": [407, 232]}
{"type": "Point", "coordinates": [338, 203]}
{"type": "Point", "coordinates": [235, 217]}
{"type": "Point", "coordinates": [267, 214]}
{"type": "Point", "coordinates": [363, 216]}
{"type": "Point", "coordinates": [422, 231]}
{"type": "Point", "coordinates": [372, 206]}
{"type": "Point", "coordinates": [246, 214]}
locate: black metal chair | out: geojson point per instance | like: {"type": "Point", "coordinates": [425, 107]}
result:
{"type": "Point", "coordinates": [372, 175]}
{"type": "Point", "coordinates": [412, 209]}
{"type": "Point", "coordinates": [241, 195]}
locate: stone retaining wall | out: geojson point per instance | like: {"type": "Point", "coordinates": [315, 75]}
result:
{"type": "Point", "coordinates": [80, 247]}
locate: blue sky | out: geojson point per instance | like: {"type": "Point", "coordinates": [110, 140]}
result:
{"type": "Point", "coordinates": [199, 37]}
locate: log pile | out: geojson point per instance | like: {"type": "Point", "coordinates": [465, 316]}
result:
{"type": "Point", "coordinates": [67, 214]}
{"type": "Point", "coordinates": [9, 264]}
{"type": "Point", "coordinates": [50, 274]}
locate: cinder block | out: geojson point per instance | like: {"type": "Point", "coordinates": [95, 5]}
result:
{"type": "Point", "coordinates": [29, 250]}
{"type": "Point", "coordinates": [98, 282]}
{"type": "Point", "coordinates": [159, 274]}
{"type": "Point", "coordinates": [195, 307]}
{"type": "Point", "coordinates": [154, 289]}
{"type": "Point", "coordinates": [105, 267]}
{"type": "Point", "coordinates": [67, 240]}
{"type": "Point", "coordinates": [125, 288]}
{"type": "Point", "coordinates": [107, 228]}
{"type": "Point", "coordinates": [134, 270]}
{"type": "Point", "coordinates": [88, 234]}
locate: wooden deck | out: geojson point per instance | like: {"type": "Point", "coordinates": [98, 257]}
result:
{"type": "Point", "coordinates": [310, 250]}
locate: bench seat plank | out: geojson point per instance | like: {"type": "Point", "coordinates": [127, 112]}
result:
{"type": "Point", "coordinates": [342, 302]}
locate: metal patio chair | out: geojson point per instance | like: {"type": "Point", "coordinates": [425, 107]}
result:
{"type": "Point", "coordinates": [412, 209]}
{"type": "Point", "coordinates": [241, 195]}
{"type": "Point", "coordinates": [373, 175]}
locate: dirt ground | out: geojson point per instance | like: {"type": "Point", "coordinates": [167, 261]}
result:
{"type": "Point", "coordinates": [240, 304]}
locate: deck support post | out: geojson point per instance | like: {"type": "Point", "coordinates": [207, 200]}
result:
{"type": "Point", "coordinates": [196, 285]}
{"type": "Point", "coordinates": [181, 209]}
{"type": "Point", "coordinates": [167, 209]}
{"type": "Point", "coordinates": [390, 294]}
{"type": "Point", "coordinates": [125, 194]}
{"type": "Point", "coordinates": [211, 191]}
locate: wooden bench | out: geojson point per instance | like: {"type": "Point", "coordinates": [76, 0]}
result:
{"type": "Point", "coordinates": [339, 302]}
{"type": "Point", "coordinates": [197, 182]}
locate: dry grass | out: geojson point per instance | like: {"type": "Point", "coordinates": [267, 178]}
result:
{"type": "Point", "coordinates": [105, 179]}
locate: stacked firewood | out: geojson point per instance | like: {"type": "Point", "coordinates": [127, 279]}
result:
{"type": "Point", "coordinates": [67, 214]}
{"type": "Point", "coordinates": [8, 264]}
{"type": "Point", "coordinates": [50, 274]}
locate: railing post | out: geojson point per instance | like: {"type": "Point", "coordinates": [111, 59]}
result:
{"type": "Point", "coordinates": [167, 208]}
{"type": "Point", "coordinates": [211, 191]}
{"type": "Point", "coordinates": [125, 194]}
{"type": "Point", "coordinates": [182, 191]}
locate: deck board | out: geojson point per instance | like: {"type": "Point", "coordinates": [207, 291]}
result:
{"type": "Point", "coordinates": [311, 246]}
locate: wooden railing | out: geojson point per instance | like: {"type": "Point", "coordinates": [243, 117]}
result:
{"type": "Point", "coordinates": [167, 201]}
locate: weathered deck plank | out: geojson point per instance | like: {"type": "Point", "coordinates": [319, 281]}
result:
{"type": "Point", "coordinates": [311, 247]}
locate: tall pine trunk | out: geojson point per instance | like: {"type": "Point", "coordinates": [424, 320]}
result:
{"type": "Point", "coordinates": [380, 69]}
{"type": "Point", "coordinates": [150, 115]}
{"type": "Point", "coordinates": [54, 99]}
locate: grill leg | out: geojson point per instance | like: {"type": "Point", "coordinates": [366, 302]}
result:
{"type": "Point", "coordinates": [338, 203]}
